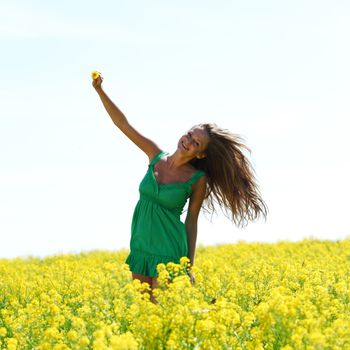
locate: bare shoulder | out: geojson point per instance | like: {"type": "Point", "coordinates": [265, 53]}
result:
{"type": "Point", "coordinates": [200, 185]}
{"type": "Point", "coordinates": [153, 152]}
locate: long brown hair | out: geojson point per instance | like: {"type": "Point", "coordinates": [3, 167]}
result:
{"type": "Point", "coordinates": [231, 180]}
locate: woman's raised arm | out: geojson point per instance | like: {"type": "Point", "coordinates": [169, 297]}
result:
{"type": "Point", "coordinates": [119, 119]}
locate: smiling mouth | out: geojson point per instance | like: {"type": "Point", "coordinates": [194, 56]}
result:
{"type": "Point", "coordinates": [182, 143]}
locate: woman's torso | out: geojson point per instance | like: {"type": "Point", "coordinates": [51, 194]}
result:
{"type": "Point", "coordinates": [170, 195]}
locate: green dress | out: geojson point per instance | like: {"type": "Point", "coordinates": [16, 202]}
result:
{"type": "Point", "coordinates": [157, 233]}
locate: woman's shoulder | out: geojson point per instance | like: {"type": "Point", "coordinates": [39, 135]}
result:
{"type": "Point", "coordinates": [193, 170]}
{"type": "Point", "coordinates": [196, 175]}
{"type": "Point", "coordinates": [199, 172]}
{"type": "Point", "coordinates": [156, 155]}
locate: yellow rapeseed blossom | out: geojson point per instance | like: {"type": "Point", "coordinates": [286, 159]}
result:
{"type": "Point", "coordinates": [124, 341]}
{"type": "Point", "coordinates": [170, 265]}
{"type": "Point", "coordinates": [11, 343]}
{"type": "Point", "coordinates": [95, 74]}
{"type": "Point", "coordinates": [84, 341]}
{"type": "Point", "coordinates": [54, 309]}
{"type": "Point", "coordinates": [61, 347]}
{"type": "Point", "coordinates": [3, 331]}
{"type": "Point", "coordinates": [72, 335]}
{"type": "Point", "coordinates": [52, 333]}
{"type": "Point", "coordinates": [245, 296]}
{"type": "Point", "coordinates": [185, 261]}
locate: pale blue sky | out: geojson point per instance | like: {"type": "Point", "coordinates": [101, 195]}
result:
{"type": "Point", "coordinates": [275, 72]}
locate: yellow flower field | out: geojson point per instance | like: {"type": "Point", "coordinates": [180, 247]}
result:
{"type": "Point", "coordinates": [281, 295]}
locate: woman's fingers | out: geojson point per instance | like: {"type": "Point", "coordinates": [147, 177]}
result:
{"type": "Point", "coordinates": [97, 78]}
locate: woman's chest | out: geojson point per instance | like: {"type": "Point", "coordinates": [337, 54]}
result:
{"type": "Point", "coordinates": [171, 195]}
{"type": "Point", "coordinates": [164, 175]}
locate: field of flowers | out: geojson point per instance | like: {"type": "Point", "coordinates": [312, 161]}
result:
{"type": "Point", "coordinates": [281, 295]}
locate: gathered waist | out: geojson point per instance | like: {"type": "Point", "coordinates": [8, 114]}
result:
{"type": "Point", "coordinates": [174, 211]}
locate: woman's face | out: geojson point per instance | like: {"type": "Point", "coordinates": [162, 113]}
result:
{"type": "Point", "coordinates": [194, 142]}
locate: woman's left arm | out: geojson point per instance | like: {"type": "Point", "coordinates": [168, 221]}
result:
{"type": "Point", "coordinates": [196, 200]}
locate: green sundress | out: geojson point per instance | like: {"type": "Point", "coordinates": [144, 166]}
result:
{"type": "Point", "coordinates": [157, 233]}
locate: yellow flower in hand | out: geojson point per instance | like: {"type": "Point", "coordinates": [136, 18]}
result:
{"type": "Point", "coordinates": [95, 74]}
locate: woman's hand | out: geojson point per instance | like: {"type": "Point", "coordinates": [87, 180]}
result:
{"type": "Point", "coordinates": [97, 82]}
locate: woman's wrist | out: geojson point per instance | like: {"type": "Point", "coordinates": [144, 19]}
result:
{"type": "Point", "coordinates": [99, 89]}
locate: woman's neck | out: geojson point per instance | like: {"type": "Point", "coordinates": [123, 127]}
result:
{"type": "Point", "coordinates": [177, 161]}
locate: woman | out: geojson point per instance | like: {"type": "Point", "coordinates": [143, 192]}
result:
{"type": "Point", "coordinates": [208, 165]}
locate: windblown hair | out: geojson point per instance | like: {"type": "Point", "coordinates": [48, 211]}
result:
{"type": "Point", "coordinates": [231, 181]}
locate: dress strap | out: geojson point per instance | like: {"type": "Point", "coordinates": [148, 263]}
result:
{"type": "Point", "coordinates": [157, 157]}
{"type": "Point", "coordinates": [196, 176]}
